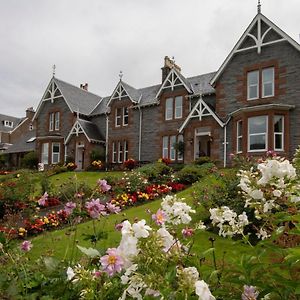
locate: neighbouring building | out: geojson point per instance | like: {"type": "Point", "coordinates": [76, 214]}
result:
{"type": "Point", "coordinates": [248, 106]}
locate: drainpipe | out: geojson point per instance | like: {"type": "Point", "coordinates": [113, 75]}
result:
{"type": "Point", "coordinates": [140, 134]}
{"type": "Point", "coordinates": [106, 142]}
{"type": "Point", "coordinates": [225, 145]}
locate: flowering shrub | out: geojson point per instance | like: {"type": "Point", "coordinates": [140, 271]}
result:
{"type": "Point", "coordinates": [71, 166]}
{"type": "Point", "coordinates": [130, 164]}
{"type": "Point", "coordinates": [165, 160]}
{"type": "Point", "coordinates": [97, 164]}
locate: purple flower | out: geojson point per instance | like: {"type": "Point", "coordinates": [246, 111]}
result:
{"type": "Point", "coordinates": [103, 185]}
{"type": "Point", "coordinates": [187, 232]}
{"type": "Point", "coordinates": [26, 246]}
{"type": "Point", "coordinates": [95, 208]}
{"type": "Point", "coordinates": [159, 217]}
{"type": "Point", "coordinates": [113, 208]}
{"type": "Point", "coordinates": [250, 293]}
{"type": "Point", "coordinates": [69, 207]}
{"type": "Point", "coordinates": [119, 226]}
{"type": "Point", "coordinates": [112, 262]}
{"type": "Point", "coordinates": [43, 199]}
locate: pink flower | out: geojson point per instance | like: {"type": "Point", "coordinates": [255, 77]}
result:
{"type": "Point", "coordinates": [96, 274]}
{"type": "Point", "coordinates": [187, 232]}
{"type": "Point", "coordinates": [250, 293]}
{"type": "Point", "coordinates": [113, 208]}
{"type": "Point", "coordinates": [112, 262]}
{"type": "Point", "coordinates": [103, 185]}
{"type": "Point", "coordinates": [43, 199]}
{"type": "Point", "coordinates": [26, 246]}
{"type": "Point", "coordinates": [95, 208]}
{"type": "Point", "coordinates": [119, 226]}
{"type": "Point", "coordinates": [69, 207]}
{"type": "Point", "coordinates": [159, 217]}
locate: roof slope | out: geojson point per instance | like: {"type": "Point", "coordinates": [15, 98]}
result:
{"type": "Point", "coordinates": [22, 145]}
{"type": "Point", "coordinates": [91, 130]}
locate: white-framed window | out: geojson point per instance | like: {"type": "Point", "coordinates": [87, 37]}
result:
{"type": "Point", "coordinates": [125, 116]}
{"type": "Point", "coordinates": [253, 85]}
{"type": "Point", "coordinates": [55, 153]}
{"type": "Point", "coordinates": [120, 152]}
{"type": "Point", "coordinates": [51, 121]}
{"type": "Point", "coordinates": [172, 147]}
{"type": "Point", "coordinates": [165, 147]}
{"type": "Point", "coordinates": [57, 120]}
{"type": "Point", "coordinates": [258, 133]}
{"type": "Point", "coordinates": [114, 152]}
{"type": "Point", "coordinates": [239, 136]}
{"type": "Point", "coordinates": [178, 107]}
{"type": "Point", "coordinates": [268, 82]}
{"type": "Point", "coordinates": [118, 117]}
{"type": "Point", "coordinates": [45, 153]}
{"type": "Point", "coordinates": [179, 140]}
{"type": "Point", "coordinates": [125, 150]}
{"type": "Point", "coordinates": [278, 132]}
{"type": "Point", "coordinates": [169, 109]}
{"type": "Point", "coordinates": [9, 124]}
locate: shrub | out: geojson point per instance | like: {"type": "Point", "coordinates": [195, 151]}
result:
{"type": "Point", "coordinates": [202, 160]}
{"type": "Point", "coordinates": [155, 171]}
{"type": "Point", "coordinates": [30, 160]}
{"type": "Point", "coordinates": [130, 163]}
{"type": "Point", "coordinates": [97, 154]}
{"type": "Point", "coordinates": [192, 173]}
{"type": "Point", "coordinates": [3, 160]}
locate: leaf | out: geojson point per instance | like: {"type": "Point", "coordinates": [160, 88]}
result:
{"type": "Point", "coordinates": [208, 251]}
{"type": "Point", "coordinates": [89, 251]}
{"type": "Point", "coordinates": [50, 263]}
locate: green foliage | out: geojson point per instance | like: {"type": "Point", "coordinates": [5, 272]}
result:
{"type": "Point", "coordinates": [97, 154]}
{"type": "Point", "coordinates": [155, 171]}
{"type": "Point", "coordinates": [69, 159]}
{"type": "Point", "coordinates": [192, 173]}
{"type": "Point", "coordinates": [202, 160]}
{"type": "Point", "coordinates": [3, 160]}
{"type": "Point", "coordinates": [30, 160]}
{"type": "Point", "coordinates": [296, 160]}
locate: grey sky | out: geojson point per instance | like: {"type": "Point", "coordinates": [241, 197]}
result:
{"type": "Point", "coordinates": [92, 40]}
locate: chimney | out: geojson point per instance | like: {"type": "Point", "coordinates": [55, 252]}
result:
{"type": "Point", "coordinates": [84, 86]}
{"type": "Point", "coordinates": [30, 113]}
{"type": "Point", "coordinates": [168, 65]}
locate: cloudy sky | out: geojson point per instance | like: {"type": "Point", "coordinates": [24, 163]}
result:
{"type": "Point", "coordinates": [92, 40]}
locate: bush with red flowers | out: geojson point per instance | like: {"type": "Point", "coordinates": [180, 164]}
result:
{"type": "Point", "coordinates": [130, 163]}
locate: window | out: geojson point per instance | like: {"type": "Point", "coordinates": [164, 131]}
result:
{"type": "Point", "coordinates": [180, 153]}
{"type": "Point", "coordinates": [55, 153]}
{"type": "Point", "coordinates": [252, 83]}
{"type": "Point", "coordinates": [169, 149]}
{"type": "Point", "coordinates": [51, 121]}
{"type": "Point", "coordinates": [57, 120]}
{"type": "Point", "coordinates": [45, 153]}
{"type": "Point", "coordinates": [169, 109]}
{"type": "Point", "coordinates": [125, 116]}
{"type": "Point", "coordinates": [118, 117]}
{"type": "Point", "coordinates": [9, 124]}
{"type": "Point", "coordinates": [278, 133]}
{"type": "Point", "coordinates": [239, 136]}
{"type": "Point", "coordinates": [178, 107]}
{"type": "Point", "coordinates": [257, 133]}
{"type": "Point", "coordinates": [114, 152]}
{"type": "Point", "coordinates": [172, 147]}
{"type": "Point", "coordinates": [260, 83]}
{"type": "Point", "coordinates": [125, 150]}
{"type": "Point", "coordinates": [120, 152]}
{"type": "Point", "coordinates": [268, 82]}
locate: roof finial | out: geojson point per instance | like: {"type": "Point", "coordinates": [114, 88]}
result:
{"type": "Point", "coordinates": [53, 70]}
{"type": "Point", "coordinates": [121, 75]}
{"type": "Point", "coordinates": [173, 59]}
{"type": "Point", "coordinates": [258, 7]}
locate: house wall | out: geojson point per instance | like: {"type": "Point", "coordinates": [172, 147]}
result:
{"type": "Point", "coordinates": [231, 88]}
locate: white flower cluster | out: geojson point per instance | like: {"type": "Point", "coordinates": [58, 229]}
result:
{"type": "Point", "coordinates": [228, 222]}
{"type": "Point", "coordinates": [177, 212]}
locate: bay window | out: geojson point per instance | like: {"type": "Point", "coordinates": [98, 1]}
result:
{"type": "Point", "coordinates": [165, 152]}
{"type": "Point", "coordinates": [45, 153]}
{"type": "Point", "coordinates": [55, 153]}
{"type": "Point", "coordinates": [172, 147]}
{"type": "Point", "coordinates": [169, 149]}
{"type": "Point", "coordinates": [257, 133]}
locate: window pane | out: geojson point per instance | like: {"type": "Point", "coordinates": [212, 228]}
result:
{"type": "Point", "coordinates": [258, 125]}
{"type": "Point", "coordinates": [114, 154]}
{"type": "Point", "coordinates": [118, 116]}
{"type": "Point", "coordinates": [55, 153]}
{"type": "Point", "coordinates": [278, 123]}
{"type": "Point", "coordinates": [180, 139]}
{"type": "Point", "coordinates": [239, 134]}
{"type": "Point", "coordinates": [169, 109]}
{"type": "Point", "coordinates": [257, 142]}
{"type": "Point", "coordinates": [172, 144]}
{"type": "Point", "coordinates": [252, 84]}
{"type": "Point", "coordinates": [165, 153]}
{"type": "Point", "coordinates": [278, 142]}
{"type": "Point", "coordinates": [57, 120]}
{"type": "Point", "coordinates": [45, 153]}
{"type": "Point", "coordinates": [268, 82]}
{"type": "Point", "coordinates": [178, 107]}
{"type": "Point", "coordinates": [125, 116]}
{"type": "Point", "coordinates": [125, 150]}
{"type": "Point", "coordinates": [120, 148]}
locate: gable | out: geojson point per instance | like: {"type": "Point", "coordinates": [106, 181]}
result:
{"type": "Point", "coordinates": [260, 33]}
{"type": "Point", "coordinates": [172, 81]}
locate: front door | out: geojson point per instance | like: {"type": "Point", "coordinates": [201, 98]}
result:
{"type": "Point", "coordinates": [202, 146]}
{"type": "Point", "coordinates": [79, 157]}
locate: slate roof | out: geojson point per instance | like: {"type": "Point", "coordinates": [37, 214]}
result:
{"type": "Point", "coordinates": [77, 98]}
{"type": "Point", "coordinates": [200, 84]}
{"type": "Point", "coordinates": [22, 145]}
{"type": "Point", "coordinates": [134, 94]}
{"type": "Point", "coordinates": [91, 130]}
{"type": "Point", "coordinates": [15, 121]}
{"type": "Point", "coordinates": [101, 108]}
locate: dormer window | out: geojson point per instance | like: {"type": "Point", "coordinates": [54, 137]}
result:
{"type": "Point", "coordinates": [9, 124]}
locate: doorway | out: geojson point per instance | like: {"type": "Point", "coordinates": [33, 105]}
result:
{"type": "Point", "coordinates": [202, 145]}
{"type": "Point", "coordinates": [80, 157]}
